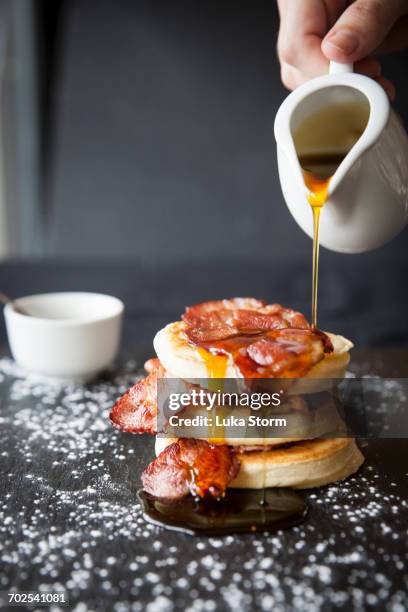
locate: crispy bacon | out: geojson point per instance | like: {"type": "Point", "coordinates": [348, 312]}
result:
{"type": "Point", "coordinates": [247, 321]}
{"type": "Point", "coordinates": [153, 365]}
{"type": "Point", "coordinates": [136, 411]}
{"type": "Point", "coordinates": [294, 319]}
{"type": "Point", "coordinates": [216, 320]}
{"type": "Point", "coordinates": [200, 312]}
{"type": "Point", "coordinates": [288, 352]}
{"type": "Point", "coordinates": [191, 466]}
{"type": "Point", "coordinates": [215, 325]}
{"type": "Point", "coordinates": [258, 336]}
{"type": "Point", "coordinates": [212, 321]}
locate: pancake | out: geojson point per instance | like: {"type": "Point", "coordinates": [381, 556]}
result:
{"type": "Point", "coordinates": [180, 357]}
{"type": "Point", "coordinates": [302, 424]}
{"type": "Point", "coordinates": [302, 465]}
{"type": "Point", "coordinates": [243, 339]}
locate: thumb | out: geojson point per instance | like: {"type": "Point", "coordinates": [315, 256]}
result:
{"type": "Point", "coordinates": [361, 29]}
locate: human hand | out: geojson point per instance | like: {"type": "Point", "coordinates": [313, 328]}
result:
{"type": "Point", "coordinates": [314, 32]}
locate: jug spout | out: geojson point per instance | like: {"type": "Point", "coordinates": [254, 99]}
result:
{"type": "Point", "coordinates": [341, 114]}
{"type": "Point", "coordinates": [367, 196]}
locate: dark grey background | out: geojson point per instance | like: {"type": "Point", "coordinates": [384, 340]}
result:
{"type": "Point", "coordinates": [159, 154]}
{"type": "Point", "coordinates": [160, 170]}
{"type": "Point", "coordinates": [163, 144]}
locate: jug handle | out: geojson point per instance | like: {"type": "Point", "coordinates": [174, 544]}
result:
{"type": "Point", "coordinates": [337, 68]}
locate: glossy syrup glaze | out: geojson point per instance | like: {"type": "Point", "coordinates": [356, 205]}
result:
{"type": "Point", "coordinates": [283, 353]}
{"type": "Point", "coordinates": [239, 511]}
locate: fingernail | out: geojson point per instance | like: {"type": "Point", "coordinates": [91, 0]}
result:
{"type": "Point", "coordinates": [344, 40]}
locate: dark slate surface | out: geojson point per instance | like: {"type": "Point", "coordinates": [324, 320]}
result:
{"type": "Point", "coordinates": [163, 141]}
{"type": "Point", "coordinates": [68, 513]}
{"type": "Point", "coordinates": [69, 519]}
{"type": "Point", "coordinates": [363, 297]}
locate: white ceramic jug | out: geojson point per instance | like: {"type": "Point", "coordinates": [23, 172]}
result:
{"type": "Point", "coordinates": [368, 194]}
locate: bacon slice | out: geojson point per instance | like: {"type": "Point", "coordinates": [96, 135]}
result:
{"type": "Point", "coordinates": [215, 325]}
{"type": "Point", "coordinates": [215, 320]}
{"type": "Point", "coordinates": [136, 410]}
{"type": "Point", "coordinates": [153, 365]}
{"type": "Point", "coordinates": [219, 320]}
{"type": "Point", "coordinates": [294, 319]}
{"type": "Point", "coordinates": [248, 321]}
{"type": "Point", "coordinates": [191, 466]}
{"type": "Point", "coordinates": [288, 352]}
{"type": "Point", "coordinates": [199, 312]}
{"type": "Point", "coordinates": [257, 336]}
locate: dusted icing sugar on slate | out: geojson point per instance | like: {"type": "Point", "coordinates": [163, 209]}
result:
{"type": "Point", "coordinates": [69, 519]}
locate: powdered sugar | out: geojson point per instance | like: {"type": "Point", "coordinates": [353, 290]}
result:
{"type": "Point", "coordinates": [69, 519]}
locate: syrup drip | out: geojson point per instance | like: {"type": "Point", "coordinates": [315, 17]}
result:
{"type": "Point", "coordinates": [216, 366]}
{"type": "Point", "coordinates": [317, 197]}
{"type": "Point", "coordinates": [239, 511]}
{"type": "Point", "coordinates": [259, 513]}
{"type": "Point", "coordinates": [317, 173]}
{"type": "Point", "coordinates": [322, 141]}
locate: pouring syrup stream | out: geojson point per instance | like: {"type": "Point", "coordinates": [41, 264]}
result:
{"type": "Point", "coordinates": [317, 173]}
{"type": "Point", "coordinates": [322, 140]}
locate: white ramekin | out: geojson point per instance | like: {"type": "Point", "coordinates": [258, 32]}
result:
{"type": "Point", "coordinates": [68, 336]}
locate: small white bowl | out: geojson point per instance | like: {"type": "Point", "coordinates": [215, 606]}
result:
{"type": "Point", "coordinates": [68, 336]}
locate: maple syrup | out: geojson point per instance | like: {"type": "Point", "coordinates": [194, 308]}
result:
{"type": "Point", "coordinates": [322, 141]}
{"type": "Point", "coordinates": [318, 186]}
{"type": "Point", "coordinates": [216, 366]}
{"type": "Point", "coordinates": [239, 511]}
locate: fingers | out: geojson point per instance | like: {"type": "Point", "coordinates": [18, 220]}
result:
{"type": "Point", "coordinates": [361, 29]}
{"type": "Point", "coordinates": [369, 66]}
{"type": "Point", "coordinates": [365, 26]}
{"type": "Point", "coordinates": [303, 25]}
{"type": "Point", "coordinates": [292, 77]}
{"type": "Point", "coordinates": [306, 57]}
